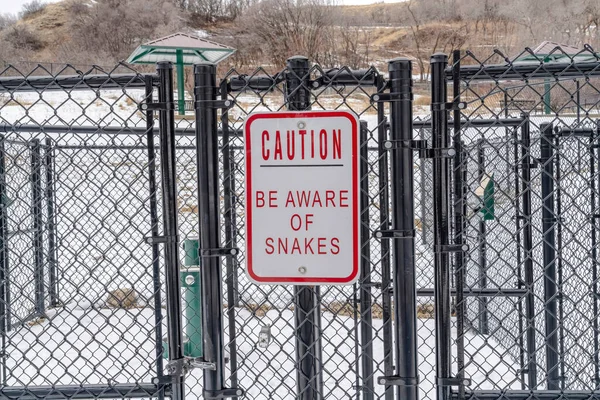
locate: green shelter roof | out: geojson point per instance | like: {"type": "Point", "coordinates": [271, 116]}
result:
{"type": "Point", "coordinates": [548, 52]}
{"type": "Point", "coordinates": [193, 50]}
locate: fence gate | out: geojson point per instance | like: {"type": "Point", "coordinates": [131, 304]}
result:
{"type": "Point", "coordinates": [479, 218]}
{"type": "Point", "coordinates": [518, 204]}
{"type": "Point", "coordinates": [83, 280]}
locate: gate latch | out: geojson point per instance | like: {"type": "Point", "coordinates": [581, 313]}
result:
{"type": "Point", "coordinates": [219, 252]}
{"type": "Point", "coordinates": [398, 381]}
{"type": "Point", "coordinates": [453, 381]}
{"type": "Point", "coordinates": [456, 105]}
{"type": "Point", "coordinates": [405, 144]}
{"type": "Point", "coordinates": [156, 106]}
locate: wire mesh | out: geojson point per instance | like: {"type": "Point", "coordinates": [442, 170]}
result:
{"type": "Point", "coordinates": [83, 296]}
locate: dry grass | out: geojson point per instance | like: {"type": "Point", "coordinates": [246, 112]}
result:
{"type": "Point", "coordinates": [188, 209]}
{"type": "Point", "coordinates": [425, 311]}
{"type": "Point", "coordinates": [422, 100]}
{"type": "Point", "coordinates": [37, 321]}
{"type": "Point", "coordinates": [51, 23]}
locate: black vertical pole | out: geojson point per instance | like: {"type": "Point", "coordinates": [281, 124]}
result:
{"type": "Point", "coordinates": [4, 290]}
{"type": "Point", "coordinates": [549, 251]}
{"type": "Point", "coordinates": [384, 200]}
{"type": "Point", "coordinates": [441, 219]}
{"type": "Point", "coordinates": [578, 100]}
{"type": "Point", "coordinates": [4, 234]}
{"type": "Point", "coordinates": [460, 212]}
{"type": "Point", "coordinates": [527, 249]}
{"type": "Point", "coordinates": [169, 188]}
{"type": "Point", "coordinates": [403, 220]}
{"type": "Point", "coordinates": [231, 277]}
{"type": "Point", "coordinates": [519, 255]}
{"type": "Point", "coordinates": [307, 313]}
{"type": "Point", "coordinates": [593, 220]}
{"type": "Point", "coordinates": [207, 159]}
{"type": "Point", "coordinates": [366, 301]}
{"type": "Point", "coordinates": [482, 241]}
{"type": "Point", "coordinates": [38, 234]}
{"type": "Point", "coordinates": [559, 263]}
{"type": "Point", "coordinates": [423, 194]}
{"type": "Point", "coordinates": [49, 165]}
{"type": "Point", "coordinates": [156, 282]}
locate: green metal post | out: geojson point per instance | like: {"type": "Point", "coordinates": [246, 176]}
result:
{"type": "Point", "coordinates": [180, 82]}
{"type": "Point", "coordinates": [547, 88]}
{"type": "Point", "coordinates": [190, 282]}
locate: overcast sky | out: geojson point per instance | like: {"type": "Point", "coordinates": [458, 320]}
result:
{"type": "Point", "coordinates": [14, 6]}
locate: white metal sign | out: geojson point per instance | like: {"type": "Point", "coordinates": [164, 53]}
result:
{"type": "Point", "coordinates": [302, 197]}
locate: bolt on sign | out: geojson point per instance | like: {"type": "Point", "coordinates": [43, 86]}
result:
{"type": "Point", "coordinates": [302, 197]}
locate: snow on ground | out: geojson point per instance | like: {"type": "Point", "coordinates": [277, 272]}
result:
{"type": "Point", "coordinates": [78, 345]}
{"type": "Point", "coordinates": [101, 250]}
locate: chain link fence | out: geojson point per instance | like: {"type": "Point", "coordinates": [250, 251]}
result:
{"type": "Point", "coordinates": [85, 216]}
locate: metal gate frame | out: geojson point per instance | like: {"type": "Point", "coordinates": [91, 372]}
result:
{"type": "Point", "coordinates": [163, 385]}
{"type": "Point", "coordinates": [446, 206]}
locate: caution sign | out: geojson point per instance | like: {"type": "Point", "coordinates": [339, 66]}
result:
{"type": "Point", "coordinates": [302, 197]}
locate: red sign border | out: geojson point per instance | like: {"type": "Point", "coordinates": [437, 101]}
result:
{"type": "Point", "coordinates": [355, 198]}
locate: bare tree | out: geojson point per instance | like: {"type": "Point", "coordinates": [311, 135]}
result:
{"type": "Point", "coordinates": [288, 27]}
{"type": "Point", "coordinates": [115, 27]}
{"type": "Point", "coordinates": [7, 20]}
{"type": "Point", "coordinates": [415, 28]}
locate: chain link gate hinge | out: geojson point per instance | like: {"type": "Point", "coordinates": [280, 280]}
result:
{"type": "Point", "coordinates": [157, 106]}
{"type": "Point", "coordinates": [218, 104]}
{"type": "Point", "coordinates": [390, 97]}
{"type": "Point", "coordinates": [452, 106]}
{"type": "Point", "coordinates": [220, 252]}
{"type": "Point", "coordinates": [398, 381]}
{"type": "Point", "coordinates": [421, 147]}
{"type": "Point", "coordinates": [453, 381]}
{"type": "Point", "coordinates": [161, 239]}
{"type": "Point", "coordinates": [451, 248]}
{"type": "Point", "coordinates": [395, 234]}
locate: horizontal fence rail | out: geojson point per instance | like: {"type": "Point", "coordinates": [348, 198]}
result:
{"type": "Point", "coordinates": [479, 214]}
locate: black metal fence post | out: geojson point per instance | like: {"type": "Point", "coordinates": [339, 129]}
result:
{"type": "Point", "coordinates": [384, 217]}
{"type": "Point", "coordinates": [229, 200]}
{"type": "Point", "coordinates": [154, 228]}
{"type": "Point", "coordinates": [171, 243]}
{"type": "Point", "coordinates": [482, 242]}
{"type": "Point", "coordinates": [441, 219]}
{"type": "Point", "coordinates": [403, 222]}
{"type": "Point", "coordinates": [307, 308]}
{"type": "Point", "coordinates": [593, 221]}
{"type": "Point", "coordinates": [4, 289]}
{"type": "Point", "coordinates": [51, 223]}
{"type": "Point", "coordinates": [595, 213]}
{"type": "Point", "coordinates": [209, 214]}
{"type": "Point", "coordinates": [366, 300]}
{"type": "Point", "coordinates": [527, 248]}
{"type": "Point", "coordinates": [38, 234]}
{"type": "Point", "coordinates": [549, 249]}
{"type": "Point", "coordinates": [460, 213]}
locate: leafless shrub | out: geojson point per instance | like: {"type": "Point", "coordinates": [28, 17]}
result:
{"type": "Point", "coordinates": [22, 37]}
{"type": "Point", "coordinates": [7, 20]}
{"type": "Point", "coordinates": [31, 8]}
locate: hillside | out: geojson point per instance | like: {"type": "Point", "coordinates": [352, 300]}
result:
{"type": "Point", "coordinates": [266, 33]}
